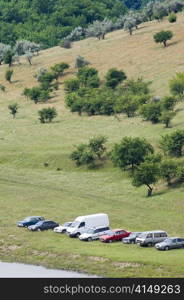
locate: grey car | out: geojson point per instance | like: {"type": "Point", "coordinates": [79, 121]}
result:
{"type": "Point", "coordinates": [170, 243]}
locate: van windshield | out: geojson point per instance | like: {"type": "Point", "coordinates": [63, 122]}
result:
{"type": "Point", "coordinates": [142, 235]}
{"type": "Point", "coordinates": [75, 224]}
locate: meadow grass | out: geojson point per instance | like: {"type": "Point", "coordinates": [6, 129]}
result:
{"type": "Point", "coordinates": [29, 188]}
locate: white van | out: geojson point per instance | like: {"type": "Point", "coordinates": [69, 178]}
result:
{"type": "Point", "coordinates": [150, 238]}
{"type": "Point", "coordinates": [83, 223]}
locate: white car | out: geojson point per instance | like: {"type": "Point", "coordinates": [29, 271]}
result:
{"type": "Point", "coordinates": [62, 228]}
{"type": "Point", "coordinates": [94, 233]}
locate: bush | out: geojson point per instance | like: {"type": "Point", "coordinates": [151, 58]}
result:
{"type": "Point", "coordinates": [72, 85]}
{"type": "Point", "coordinates": [151, 112]}
{"type": "Point", "coordinates": [8, 75]}
{"type": "Point", "coordinates": [166, 117]}
{"type": "Point", "coordinates": [13, 109]}
{"type": "Point", "coordinates": [88, 77]}
{"type": "Point", "coordinates": [173, 143]}
{"type": "Point", "coordinates": [168, 102]}
{"type": "Point", "coordinates": [8, 57]}
{"type": "Point", "coordinates": [67, 44]}
{"type": "Point", "coordinates": [172, 18]}
{"type": "Point", "coordinates": [37, 94]}
{"type": "Point", "coordinates": [114, 77]}
{"type": "Point", "coordinates": [168, 170]}
{"type": "Point", "coordinates": [176, 85]}
{"type": "Point", "coordinates": [81, 62]}
{"type": "Point", "coordinates": [47, 114]}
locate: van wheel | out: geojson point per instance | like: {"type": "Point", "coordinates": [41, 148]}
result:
{"type": "Point", "coordinates": [89, 239]}
{"type": "Point", "coordinates": [132, 242]}
{"type": "Point", "coordinates": [149, 244]}
{"type": "Point", "coordinates": [166, 248]}
{"type": "Point", "coordinates": [77, 234]}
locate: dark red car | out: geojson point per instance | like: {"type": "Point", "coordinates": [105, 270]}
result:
{"type": "Point", "coordinates": [114, 235]}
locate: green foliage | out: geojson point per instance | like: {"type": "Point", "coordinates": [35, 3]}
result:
{"type": "Point", "coordinates": [8, 75]}
{"type": "Point", "coordinates": [168, 170]}
{"type": "Point", "coordinates": [88, 77]}
{"type": "Point", "coordinates": [172, 17]}
{"type": "Point", "coordinates": [114, 77]}
{"type": "Point", "coordinates": [96, 144]}
{"type": "Point", "coordinates": [8, 57]}
{"type": "Point", "coordinates": [163, 37]}
{"type": "Point", "coordinates": [58, 69]}
{"type": "Point", "coordinates": [173, 143]}
{"type": "Point", "coordinates": [130, 152]}
{"type": "Point", "coordinates": [151, 112]}
{"type": "Point", "coordinates": [166, 117]}
{"type": "Point", "coordinates": [46, 115]}
{"type": "Point", "coordinates": [89, 154]}
{"type": "Point", "coordinates": [128, 104]}
{"type": "Point", "coordinates": [147, 174]}
{"type": "Point", "coordinates": [13, 109]}
{"type": "Point", "coordinates": [168, 102]}
{"type": "Point", "coordinates": [71, 85]}
{"type": "Point", "coordinates": [2, 88]}
{"type": "Point", "coordinates": [176, 85]}
{"type": "Point", "coordinates": [37, 94]}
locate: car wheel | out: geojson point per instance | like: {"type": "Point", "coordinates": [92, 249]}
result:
{"type": "Point", "coordinates": [77, 234]}
{"type": "Point", "coordinates": [166, 248]}
{"type": "Point", "coordinates": [38, 229]}
{"type": "Point", "coordinates": [110, 241]}
{"type": "Point", "coordinates": [149, 244]}
{"type": "Point", "coordinates": [89, 239]}
{"type": "Point", "coordinates": [132, 242]}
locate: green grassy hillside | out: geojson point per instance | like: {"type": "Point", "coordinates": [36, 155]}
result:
{"type": "Point", "coordinates": [29, 188]}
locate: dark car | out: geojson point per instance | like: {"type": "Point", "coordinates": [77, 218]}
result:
{"type": "Point", "coordinates": [114, 235]}
{"type": "Point", "coordinates": [170, 243]}
{"type": "Point", "coordinates": [29, 221]}
{"type": "Point", "coordinates": [43, 225]}
{"type": "Point", "coordinates": [131, 239]}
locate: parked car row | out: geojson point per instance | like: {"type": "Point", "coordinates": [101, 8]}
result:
{"type": "Point", "coordinates": [96, 227]}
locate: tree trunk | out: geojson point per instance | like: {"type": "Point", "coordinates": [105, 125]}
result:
{"type": "Point", "coordinates": [150, 190]}
{"type": "Point", "coordinates": [165, 43]}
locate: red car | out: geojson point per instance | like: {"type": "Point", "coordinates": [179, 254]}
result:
{"type": "Point", "coordinates": [114, 235]}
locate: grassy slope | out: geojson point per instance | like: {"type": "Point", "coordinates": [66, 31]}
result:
{"type": "Point", "coordinates": [28, 188]}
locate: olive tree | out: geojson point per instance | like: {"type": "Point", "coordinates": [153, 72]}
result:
{"type": "Point", "coordinates": [163, 36]}
{"type": "Point", "coordinates": [13, 109]}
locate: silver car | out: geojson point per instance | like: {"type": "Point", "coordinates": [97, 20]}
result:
{"type": "Point", "coordinates": [94, 233]}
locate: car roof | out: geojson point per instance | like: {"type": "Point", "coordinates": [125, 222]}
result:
{"type": "Point", "coordinates": [175, 237]}
{"type": "Point", "coordinates": [153, 231]}
{"type": "Point", "coordinates": [114, 230]}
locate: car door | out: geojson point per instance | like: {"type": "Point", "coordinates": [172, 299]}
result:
{"type": "Point", "coordinates": [44, 226]}
{"type": "Point", "coordinates": [173, 244]}
{"type": "Point", "coordinates": [179, 243]}
{"type": "Point", "coordinates": [96, 234]}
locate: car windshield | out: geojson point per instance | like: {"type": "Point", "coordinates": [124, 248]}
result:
{"type": "Point", "coordinates": [39, 223]}
{"type": "Point", "coordinates": [132, 235]}
{"type": "Point", "coordinates": [67, 224]}
{"type": "Point", "coordinates": [168, 241]}
{"type": "Point", "coordinates": [90, 230]}
{"type": "Point", "coordinates": [27, 219]}
{"type": "Point", "coordinates": [75, 224]}
{"type": "Point", "coordinates": [110, 233]}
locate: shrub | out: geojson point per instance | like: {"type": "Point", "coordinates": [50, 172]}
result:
{"type": "Point", "coordinates": [114, 77]}
{"type": "Point", "coordinates": [47, 114]}
{"type": "Point", "coordinates": [8, 75]}
{"type": "Point", "coordinates": [67, 44]}
{"type": "Point", "coordinates": [173, 143]}
{"type": "Point", "coordinates": [168, 170]}
{"type": "Point", "coordinates": [166, 117]}
{"type": "Point", "coordinates": [72, 85]}
{"type": "Point", "coordinates": [172, 18]}
{"type": "Point", "coordinates": [88, 77]}
{"type": "Point", "coordinates": [151, 112]}
{"type": "Point", "coordinates": [13, 109]}
{"type": "Point", "coordinates": [8, 57]}
{"type": "Point", "coordinates": [176, 85]}
{"type": "Point", "coordinates": [81, 62]}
